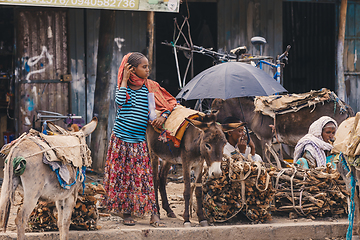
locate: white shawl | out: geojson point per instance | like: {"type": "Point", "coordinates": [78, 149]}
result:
{"type": "Point", "coordinates": [314, 143]}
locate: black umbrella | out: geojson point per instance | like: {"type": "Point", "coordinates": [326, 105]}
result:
{"type": "Point", "coordinates": [229, 80]}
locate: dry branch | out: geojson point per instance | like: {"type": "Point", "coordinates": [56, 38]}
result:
{"type": "Point", "coordinates": [84, 216]}
{"type": "Point", "coordinates": [319, 193]}
{"type": "Point", "coordinates": [244, 186]}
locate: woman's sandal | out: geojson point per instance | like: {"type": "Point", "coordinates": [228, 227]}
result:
{"type": "Point", "coordinates": [155, 221]}
{"type": "Point", "coordinates": [157, 224]}
{"type": "Point", "coordinates": [129, 221]}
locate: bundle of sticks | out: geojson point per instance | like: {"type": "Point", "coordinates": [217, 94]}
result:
{"type": "Point", "coordinates": [84, 216]}
{"type": "Point", "coordinates": [312, 193]}
{"type": "Point", "coordinates": [244, 186]}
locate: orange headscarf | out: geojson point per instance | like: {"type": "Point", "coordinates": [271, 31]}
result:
{"type": "Point", "coordinates": [163, 100]}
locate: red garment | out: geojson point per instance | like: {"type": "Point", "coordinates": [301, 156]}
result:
{"type": "Point", "coordinates": [163, 99]}
{"type": "Point", "coordinates": [128, 179]}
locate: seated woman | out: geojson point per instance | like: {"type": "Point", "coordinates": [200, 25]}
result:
{"type": "Point", "coordinates": [311, 150]}
{"type": "Point", "coordinates": [237, 142]}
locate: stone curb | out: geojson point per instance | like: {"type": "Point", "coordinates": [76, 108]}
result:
{"type": "Point", "coordinates": [294, 230]}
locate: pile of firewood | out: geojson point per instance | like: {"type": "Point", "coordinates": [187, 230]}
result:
{"type": "Point", "coordinates": [84, 216]}
{"type": "Point", "coordinates": [43, 217]}
{"type": "Point", "coordinates": [244, 186]}
{"type": "Point", "coordinates": [312, 193]}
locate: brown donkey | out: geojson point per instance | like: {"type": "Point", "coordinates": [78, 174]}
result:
{"type": "Point", "coordinates": [203, 140]}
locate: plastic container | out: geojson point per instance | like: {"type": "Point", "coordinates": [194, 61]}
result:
{"type": "Point", "coordinates": [151, 100]}
{"type": "Point", "coordinates": [8, 137]}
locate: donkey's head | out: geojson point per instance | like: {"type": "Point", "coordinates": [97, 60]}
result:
{"type": "Point", "coordinates": [85, 130]}
{"type": "Point", "coordinates": [212, 142]}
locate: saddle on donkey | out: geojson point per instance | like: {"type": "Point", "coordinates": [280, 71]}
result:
{"type": "Point", "coordinates": [70, 148]}
{"type": "Point", "coordinates": [175, 125]}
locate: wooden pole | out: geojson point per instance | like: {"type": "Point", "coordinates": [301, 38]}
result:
{"type": "Point", "coordinates": [151, 43]}
{"type": "Point", "coordinates": [340, 51]}
{"type": "Point", "coordinates": [99, 141]}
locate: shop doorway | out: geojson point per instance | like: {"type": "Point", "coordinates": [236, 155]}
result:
{"type": "Point", "coordinates": [203, 31]}
{"type": "Point", "coordinates": [7, 125]}
{"type": "Point", "coordinates": [310, 30]}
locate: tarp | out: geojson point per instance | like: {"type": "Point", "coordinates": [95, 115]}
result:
{"type": "Point", "coordinates": [281, 104]}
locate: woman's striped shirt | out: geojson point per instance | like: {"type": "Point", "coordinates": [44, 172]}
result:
{"type": "Point", "coordinates": [132, 116]}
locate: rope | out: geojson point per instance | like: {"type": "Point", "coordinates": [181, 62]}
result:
{"type": "Point", "coordinates": [301, 193]}
{"type": "Point", "coordinates": [62, 182]}
{"type": "Point", "coordinates": [352, 202]}
{"type": "Point", "coordinates": [277, 139]}
{"type": "Point", "coordinates": [292, 189]}
{"type": "Point", "coordinates": [258, 165]}
{"type": "Point", "coordinates": [51, 148]}
{"type": "Point", "coordinates": [278, 177]}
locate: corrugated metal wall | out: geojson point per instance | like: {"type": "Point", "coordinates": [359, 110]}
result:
{"type": "Point", "coordinates": [351, 55]}
{"type": "Point", "coordinates": [130, 35]}
{"type": "Point", "coordinates": [41, 61]}
{"type": "Point", "coordinates": [239, 21]}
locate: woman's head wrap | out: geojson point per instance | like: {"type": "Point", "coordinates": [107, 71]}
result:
{"type": "Point", "coordinates": [134, 60]}
{"type": "Point", "coordinates": [163, 100]}
{"type": "Point", "coordinates": [314, 140]}
{"type": "Point", "coordinates": [317, 126]}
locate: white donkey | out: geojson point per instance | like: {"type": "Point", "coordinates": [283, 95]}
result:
{"type": "Point", "coordinates": [39, 181]}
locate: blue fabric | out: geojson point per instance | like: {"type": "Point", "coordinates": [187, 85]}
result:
{"type": "Point", "coordinates": [302, 162]}
{"type": "Point", "coordinates": [83, 170]}
{"type": "Point", "coordinates": [61, 181]}
{"type": "Point", "coordinates": [330, 159]}
{"type": "Point", "coordinates": [44, 127]}
{"type": "Point", "coordinates": [132, 115]}
{"type": "Point", "coordinates": [351, 214]}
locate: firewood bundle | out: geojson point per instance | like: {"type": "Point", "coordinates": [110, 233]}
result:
{"type": "Point", "coordinates": [43, 217]}
{"type": "Point", "coordinates": [244, 186]}
{"type": "Point", "coordinates": [312, 193]}
{"type": "Point", "coordinates": [84, 216]}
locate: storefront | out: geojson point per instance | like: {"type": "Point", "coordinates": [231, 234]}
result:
{"type": "Point", "coordinates": [48, 56]}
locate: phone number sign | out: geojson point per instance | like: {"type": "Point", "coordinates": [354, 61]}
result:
{"type": "Point", "coordinates": [142, 5]}
{"type": "Point", "coordinates": [99, 4]}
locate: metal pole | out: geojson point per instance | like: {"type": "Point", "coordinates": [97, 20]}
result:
{"type": "Point", "coordinates": [177, 67]}
{"type": "Point", "coordinates": [340, 51]}
{"type": "Point", "coordinates": [151, 38]}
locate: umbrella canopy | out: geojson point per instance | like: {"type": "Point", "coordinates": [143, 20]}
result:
{"type": "Point", "coordinates": [229, 80]}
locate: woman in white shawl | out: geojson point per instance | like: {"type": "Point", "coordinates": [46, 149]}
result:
{"type": "Point", "coordinates": [310, 149]}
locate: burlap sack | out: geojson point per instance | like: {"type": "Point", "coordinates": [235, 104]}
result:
{"type": "Point", "coordinates": [176, 123]}
{"type": "Point", "coordinates": [347, 137]}
{"type": "Point", "coordinates": [281, 104]}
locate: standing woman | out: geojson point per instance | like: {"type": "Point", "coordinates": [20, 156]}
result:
{"type": "Point", "coordinates": [128, 177]}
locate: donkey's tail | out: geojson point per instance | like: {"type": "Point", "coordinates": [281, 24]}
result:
{"type": "Point", "coordinates": [7, 193]}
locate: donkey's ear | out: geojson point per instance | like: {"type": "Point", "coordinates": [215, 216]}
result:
{"type": "Point", "coordinates": [217, 103]}
{"type": "Point", "coordinates": [195, 123]}
{"type": "Point", "coordinates": [90, 127]}
{"type": "Point", "coordinates": [198, 124]}
{"type": "Point", "coordinates": [211, 117]}
{"type": "Point", "coordinates": [231, 126]}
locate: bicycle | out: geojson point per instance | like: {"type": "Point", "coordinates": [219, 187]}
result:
{"type": "Point", "coordinates": [204, 105]}
{"type": "Point", "coordinates": [43, 116]}
{"type": "Point", "coordinates": [279, 59]}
